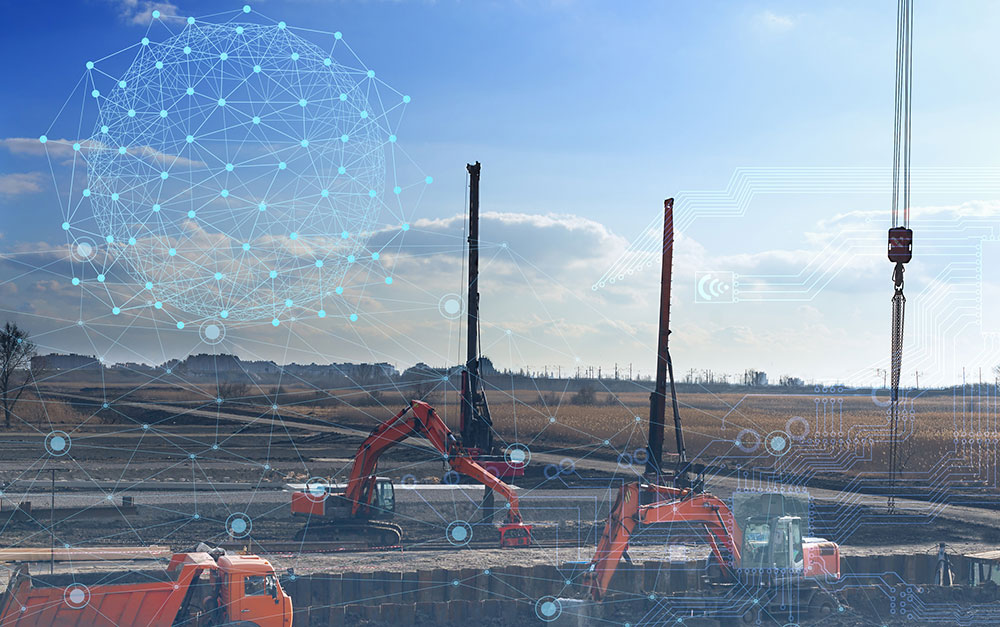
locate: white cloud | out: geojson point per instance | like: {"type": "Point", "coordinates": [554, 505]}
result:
{"type": "Point", "coordinates": [774, 22]}
{"type": "Point", "coordinates": [19, 183]}
{"type": "Point", "coordinates": [140, 11]}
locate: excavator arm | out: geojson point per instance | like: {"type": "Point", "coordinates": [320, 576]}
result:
{"type": "Point", "coordinates": [420, 418]}
{"type": "Point", "coordinates": [722, 533]}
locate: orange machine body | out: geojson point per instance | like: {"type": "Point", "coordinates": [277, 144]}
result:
{"type": "Point", "coordinates": [194, 589]}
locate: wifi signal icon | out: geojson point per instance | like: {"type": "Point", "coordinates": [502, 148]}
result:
{"type": "Point", "coordinates": [713, 287]}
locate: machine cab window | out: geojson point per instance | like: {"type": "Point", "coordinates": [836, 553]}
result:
{"type": "Point", "coordinates": [385, 496]}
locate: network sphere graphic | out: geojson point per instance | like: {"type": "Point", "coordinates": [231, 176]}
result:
{"type": "Point", "coordinates": [235, 170]}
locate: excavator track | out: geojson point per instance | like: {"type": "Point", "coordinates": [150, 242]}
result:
{"type": "Point", "coordinates": [373, 532]}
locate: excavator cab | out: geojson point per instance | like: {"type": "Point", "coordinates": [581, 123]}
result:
{"type": "Point", "coordinates": [384, 499]}
{"type": "Point", "coordinates": [515, 535]}
{"type": "Point", "coordinates": [772, 544]}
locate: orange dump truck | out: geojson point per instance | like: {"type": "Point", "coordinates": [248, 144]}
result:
{"type": "Point", "coordinates": [196, 589]}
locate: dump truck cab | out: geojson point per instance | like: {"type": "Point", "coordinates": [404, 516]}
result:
{"type": "Point", "coordinates": [250, 591]}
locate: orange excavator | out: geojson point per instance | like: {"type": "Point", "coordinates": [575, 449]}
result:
{"type": "Point", "coordinates": [771, 546]}
{"type": "Point", "coordinates": [367, 504]}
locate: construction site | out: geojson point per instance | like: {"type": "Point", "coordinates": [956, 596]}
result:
{"type": "Point", "coordinates": [223, 486]}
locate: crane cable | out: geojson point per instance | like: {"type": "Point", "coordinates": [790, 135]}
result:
{"type": "Point", "coordinates": [900, 235]}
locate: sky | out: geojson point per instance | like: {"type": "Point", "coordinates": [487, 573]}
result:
{"type": "Point", "coordinates": [770, 122]}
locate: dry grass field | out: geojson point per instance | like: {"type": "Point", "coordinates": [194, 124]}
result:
{"type": "Point", "coordinates": [830, 433]}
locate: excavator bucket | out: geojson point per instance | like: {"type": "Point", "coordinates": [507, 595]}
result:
{"type": "Point", "coordinates": [515, 535]}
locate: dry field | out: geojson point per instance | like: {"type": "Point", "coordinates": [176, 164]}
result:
{"type": "Point", "coordinates": [828, 432]}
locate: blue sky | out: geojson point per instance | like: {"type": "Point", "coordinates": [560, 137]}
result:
{"type": "Point", "coordinates": [595, 111]}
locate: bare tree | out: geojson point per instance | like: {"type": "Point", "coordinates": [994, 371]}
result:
{"type": "Point", "coordinates": [16, 351]}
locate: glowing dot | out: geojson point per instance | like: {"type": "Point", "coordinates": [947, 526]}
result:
{"type": "Point", "coordinates": [224, 314]}
{"type": "Point", "coordinates": [158, 305]}
{"type": "Point", "coordinates": [100, 278]}
{"type": "Point", "coordinates": [371, 193]}
{"type": "Point", "coordinates": [95, 93]}
{"type": "Point", "coordinates": [156, 207]}
{"type": "Point", "coordinates": [224, 193]}
{"type": "Point", "coordinates": [256, 68]}
{"type": "Point", "coordinates": [163, 113]}
{"type": "Point", "coordinates": [343, 138]}
{"type": "Point", "coordinates": [191, 213]}
{"type": "Point", "coordinates": [262, 206]}
{"type": "Point", "coordinates": [65, 226]}
{"type": "Point", "coordinates": [321, 313]}
{"type": "Point", "coordinates": [392, 138]}
{"type": "Point", "coordinates": [114, 196]}
{"type": "Point", "coordinates": [288, 302]}
{"type": "Point", "coordinates": [223, 56]}
{"type": "Point", "coordinates": [149, 285]}
{"type": "Point", "coordinates": [328, 61]}
{"type": "Point", "coordinates": [246, 8]}
{"type": "Point", "coordinates": [189, 138]}
{"type": "Point", "coordinates": [341, 170]}
{"type": "Point", "coordinates": [164, 175]}
{"type": "Point", "coordinates": [375, 256]}
{"type": "Point", "coordinates": [156, 15]}
{"type": "Point", "coordinates": [406, 226]}
{"type": "Point", "coordinates": [397, 189]}
{"type": "Point", "coordinates": [295, 56]}
{"type": "Point", "coordinates": [281, 25]}
{"type": "Point", "coordinates": [303, 102]}
{"type": "Point", "coordinates": [354, 317]}
{"type": "Point", "coordinates": [218, 276]}
{"type": "Point", "coordinates": [104, 129]}
{"type": "Point", "coordinates": [122, 84]}
{"type": "Point", "coordinates": [122, 150]}
{"type": "Point", "coordinates": [364, 115]}
{"type": "Point", "coordinates": [246, 246]}
{"type": "Point", "coordinates": [256, 119]}
{"type": "Point", "coordinates": [172, 252]}
{"type": "Point", "coordinates": [429, 180]}
{"type": "Point", "coordinates": [319, 263]}
{"type": "Point", "coordinates": [76, 281]}
{"type": "Point", "coordinates": [239, 30]}
{"type": "Point", "coordinates": [338, 35]}
{"type": "Point", "coordinates": [90, 65]}
{"type": "Point", "coordinates": [406, 99]}
{"type": "Point", "coordinates": [344, 235]}
{"type": "Point", "coordinates": [159, 65]}
{"type": "Point", "coordinates": [304, 143]}
{"type": "Point", "coordinates": [116, 310]}
{"type": "Point", "coordinates": [180, 325]}
{"type": "Point", "coordinates": [282, 165]}
{"type": "Point", "coordinates": [144, 41]}
{"type": "Point", "coordinates": [339, 290]}
{"type": "Point", "coordinates": [293, 235]}
{"type": "Point", "coordinates": [131, 113]}
{"type": "Point", "coordinates": [343, 97]}
{"type": "Point", "coordinates": [371, 73]}
{"type": "Point", "coordinates": [190, 20]}
{"type": "Point", "coordinates": [222, 102]}
{"type": "Point", "coordinates": [86, 193]}
{"type": "Point", "coordinates": [273, 274]}
{"type": "Point", "coordinates": [229, 167]}
{"type": "Point", "coordinates": [275, 322]}
{"type": "Point", "coordinates": [388, 280]}
{"type": "Point", "coordinates": [187, 49]}
{"type": "Point", "coordinates": [110, 239]}
{"type": "Point", "coordinates": [325, 193]}
{"type": "Point", "coordinates": [350, 259]}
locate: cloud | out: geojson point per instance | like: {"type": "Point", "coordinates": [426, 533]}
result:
{"type": "Point", "coordinates": [140, 11]}
{"type": "Point", "coordinates": [63, 149]}
{"type": "Point", "coordinates": [774, 22]}
{"type": "Point", "coordinates": [19, 183]}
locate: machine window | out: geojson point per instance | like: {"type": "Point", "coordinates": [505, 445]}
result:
{"type": "Point", "coordinates": [257, 585]}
